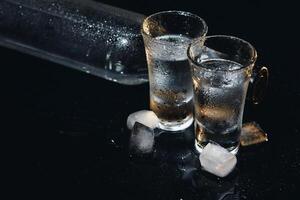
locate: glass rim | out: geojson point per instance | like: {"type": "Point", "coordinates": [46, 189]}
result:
{"type": "Point", "coordinates": [183, 13]}
{"type": "Point", "coordinates": [250, 62]}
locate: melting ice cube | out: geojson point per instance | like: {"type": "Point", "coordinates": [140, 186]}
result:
{"type": "Point", "coordinates": [252, 134]}
{"type": "Point", "coordinates": [141, 139]}
{"type": "Point", "coordinates": [217, 160]}
{"type": "Point", "coordinates": [146, 117]}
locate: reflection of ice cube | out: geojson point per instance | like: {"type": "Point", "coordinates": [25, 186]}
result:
{"type": "Point", "coordinates": [141, 139]}
{"type": "Point", "coordinates": [145, 117]}
{"type": "Point", "coordinates": [217, 160]}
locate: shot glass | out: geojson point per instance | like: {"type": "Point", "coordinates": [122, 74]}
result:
{"type": "Point", "coordinates": [222, 68]}
{"type": "Point", "coordinates": [167, 36]}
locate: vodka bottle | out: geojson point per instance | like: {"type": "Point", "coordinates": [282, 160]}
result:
{"type": "Point", "coordinates": [92, 37]}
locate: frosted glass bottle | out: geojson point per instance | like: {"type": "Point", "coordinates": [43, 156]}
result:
{"type": "Point", "coordinates": [86, 35]}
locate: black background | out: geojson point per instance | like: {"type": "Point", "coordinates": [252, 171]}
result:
{"type": "Point", "coordinates": [67, 129]}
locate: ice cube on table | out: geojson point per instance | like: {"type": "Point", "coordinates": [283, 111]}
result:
{"type": "Point", "coordinates": [252, 134]}
{"type": "Point", "coordinates": [146, 117]}
{"type": "Point", "coordinates": [217, 160]}
{"type": "Point", "coordinates": [141, 139]}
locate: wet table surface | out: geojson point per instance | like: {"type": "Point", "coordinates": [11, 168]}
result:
{"type": "Point", "coordinates": [69, 132]}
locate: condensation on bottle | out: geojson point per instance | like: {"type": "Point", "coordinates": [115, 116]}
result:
{"type": "Point", "coordinates": [82, 34]}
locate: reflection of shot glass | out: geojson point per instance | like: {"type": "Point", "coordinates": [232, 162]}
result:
{"type": "Point", "coordinates": [222, 68]}
{"type": "Point", "coordinates": [166, 37]}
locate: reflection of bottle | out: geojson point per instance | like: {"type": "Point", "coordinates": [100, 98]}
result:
{"type": "Point", "coordinates": [203, 185]}
{"type": "Point", "coordinates": [175, 148]}
{"type": "Point", "coordinates": [82, 34]}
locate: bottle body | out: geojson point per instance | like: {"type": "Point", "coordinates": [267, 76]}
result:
{"type": "Point", "coordinates": [85, 35]}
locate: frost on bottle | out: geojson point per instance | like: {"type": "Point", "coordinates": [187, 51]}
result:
{"type": "Point", "coordinates": [85, 35]}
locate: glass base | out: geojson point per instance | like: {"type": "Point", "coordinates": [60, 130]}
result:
{"type": "Point", "coordinates": [232, 150]}
{"type": "Point", "coordinates": [175, 125]}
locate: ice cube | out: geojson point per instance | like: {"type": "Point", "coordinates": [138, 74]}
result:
{"type": "Point", "coordinates": [146, 117]}
{"type": "Point", "coordinates": [252, 134]}
{"type": "Point", "coordinates": [217, 160]}
{"type": "Point", "coordinates": [141, 139]}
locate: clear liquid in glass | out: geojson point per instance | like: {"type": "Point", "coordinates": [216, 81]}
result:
{"type": "Point", "coordinates": [171, 91]}
{"type": "Point", "coordinates": [219, 96]}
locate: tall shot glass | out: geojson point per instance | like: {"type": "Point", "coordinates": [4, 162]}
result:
{"type": "Point", "coordinates": [222, 68]}
{"type": "Point", "coordinates": [166, 37]}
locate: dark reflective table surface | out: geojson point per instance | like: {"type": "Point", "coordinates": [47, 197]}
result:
{"type": "Point", "coordinates": [68, 130]}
